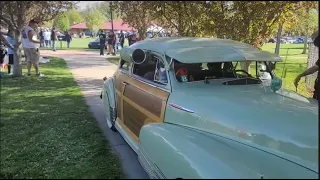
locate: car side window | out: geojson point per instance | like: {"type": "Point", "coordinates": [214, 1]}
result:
{"type": "Point", "coordinates": [125, 65]}
{"type": "Point", "coordinates": [160, 74]}
{"type": "Point", "coordinates": [152, 69]}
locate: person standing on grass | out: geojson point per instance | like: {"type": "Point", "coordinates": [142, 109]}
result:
{"type": "Point", "coordinates": [11, 40]}
{"type": "Point", "coordinates": [311, 70]}
{"type": "Point", "coordinates": [68, 39]}
{"type": "Point", "coordinates": [30, 48]}
{"type": "Point", "coordinates": [54, 38]}
{"type": "Point", "coordinates": [2, 55]}
{"type": "Point", "coordinates": [46, 34]}
{"type": "Point", "coordinates": [121, 39]}
{"type": "Point", "coordinates": [41, 35]}
{"type": "Point", "coordinates": [102, 37]}
{"type": "Point", "coordinates": [3, 42]}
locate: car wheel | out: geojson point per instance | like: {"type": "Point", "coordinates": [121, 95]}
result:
{"type": "Point", "coordinates": [109, 114]}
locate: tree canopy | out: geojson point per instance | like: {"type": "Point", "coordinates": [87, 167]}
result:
{"type": "Point", "coordinates": [94, 19]}
{"type": "Point", "coordinates": [248, 21]}
{"type": "Point", "coordinates": [62, 22]}
{"type": "Point", "coordinates": [74, 16]}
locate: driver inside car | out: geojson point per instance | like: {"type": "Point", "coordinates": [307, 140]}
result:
{"type": "Point", "coordinates": [215, 69]}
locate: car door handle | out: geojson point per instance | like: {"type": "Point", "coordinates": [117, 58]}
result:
{"type": "Point", "coordinates": [125, 83]}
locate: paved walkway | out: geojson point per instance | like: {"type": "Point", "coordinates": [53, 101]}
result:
{"type": "Point", "coordinates": [88, 69]}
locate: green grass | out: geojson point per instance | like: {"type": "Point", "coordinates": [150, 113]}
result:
{"type": "Point", "coordinates": [47, 130]}
{"type": "Point", "coordinates": [295, 63]}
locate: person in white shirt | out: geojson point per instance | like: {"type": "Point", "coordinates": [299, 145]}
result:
{"type": "Point", "coordinates": [47, 38]}
{"type": "Point", "coordinates": [30, 48]}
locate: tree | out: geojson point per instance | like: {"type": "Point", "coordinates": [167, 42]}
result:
{"type": "Point", "coordinates": [185, 18]}
{"type": "Point", "coordinates": [307, 20]}
{"type": "Point", "coordinates": [104, 8]}
{"type": "Point", "coordinates": [17, 14]}
{"type": "Point", "coordinates": [74, 16]}
{"type": "Point", "coordinates": [62, 22]}
{"type": "Point", "coordinates": [251, 22]}
{"type": "Point", "coordinates": [136, 14]}
{"type": "Point", "coordinates": [94, 19]}
{"type": "Point", "coordinates": [288, 19]}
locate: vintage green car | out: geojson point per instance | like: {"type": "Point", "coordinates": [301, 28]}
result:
{"type": "Point", "coordinates": [210, 108]}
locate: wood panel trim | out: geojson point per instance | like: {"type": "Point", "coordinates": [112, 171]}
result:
{"type": "Point", "coordinates": [130, 133]}
{"type": "Point", "coordinates": [144, 111]}
{"type": "Point", "coordinates": [144, 99]}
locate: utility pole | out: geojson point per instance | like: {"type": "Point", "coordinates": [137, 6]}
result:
{"type": "Point", "coordinates": [111, 9]}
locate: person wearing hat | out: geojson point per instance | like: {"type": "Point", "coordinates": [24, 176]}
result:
{"type": "Point", "coordinates": [312, 69]}
{"type": "Point", "coordinates": [30, 48]}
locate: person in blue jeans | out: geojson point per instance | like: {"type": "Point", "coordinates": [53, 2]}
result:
{"type": "Point", "coordinates": [54, 38]}
{"type": "Point", "coordinates": [68, 39]}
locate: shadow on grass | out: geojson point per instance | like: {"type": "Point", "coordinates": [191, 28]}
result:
{"type": "Point", "coordinates": [47, 130]}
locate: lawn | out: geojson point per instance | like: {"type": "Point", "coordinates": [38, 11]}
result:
{"type": "Point", "coordinates": [47, 130]}
{"type": "Point", "coordinates": [294, 64]}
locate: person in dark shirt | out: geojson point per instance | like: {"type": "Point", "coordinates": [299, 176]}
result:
{"type": "Point", "coordinates": [41, 35]}
{"type": "Point", "coordinates": [311, 70]}
{"type": "Point", "coordinates": [114, 45]}
{"type": "Point", "coordinates": [54, 38]}
{"type": "Point", "coordinates": [68, 39]}
{"type": "Point", "coordinates": [111, 41]}
{"type": "Point", "coordinates": [102, 38]}
{"type": "Point", "coordinates": [133, 39]}
{"type": "Point", "coordinates": [121, 39]}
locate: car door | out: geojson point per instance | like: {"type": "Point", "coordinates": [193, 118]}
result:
{"type": "Point", "coordinates": [143, 100]}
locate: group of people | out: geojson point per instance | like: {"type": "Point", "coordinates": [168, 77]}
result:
{"type": "Point", "coordinates": [110, 41]}
{"type": "Point", "coordinates": [48, 38]}
{"type": "Point", "coordinates": [29, 44]}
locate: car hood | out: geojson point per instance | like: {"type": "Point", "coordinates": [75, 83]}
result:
{"type": "Point", "coordinates": [284, 123]}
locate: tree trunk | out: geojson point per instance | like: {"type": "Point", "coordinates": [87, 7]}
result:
{"type": "Point", "coordinates": [17, 67]}
{"type": "Point", "coordinates": [305, 44]}
{"type": "Point", "coordinates": [277, 50]}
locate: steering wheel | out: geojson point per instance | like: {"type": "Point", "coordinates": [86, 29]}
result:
{"type": "Point", "coordinates": [245, 72]}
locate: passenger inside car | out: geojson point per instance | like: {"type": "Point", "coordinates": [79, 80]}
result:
{"type": "Point", "coordinates": [202, 71]}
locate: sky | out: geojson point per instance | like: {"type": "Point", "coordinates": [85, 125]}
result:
{"type": "Point", "coordinates": [83, 4]}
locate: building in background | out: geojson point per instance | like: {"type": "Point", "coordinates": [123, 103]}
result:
{"type": "Point", "coordinates": [118, 25]}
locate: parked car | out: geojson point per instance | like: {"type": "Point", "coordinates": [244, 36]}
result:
{"type": "Point", "coordinates": [272, 40]}
{"type": "Point", "coordinates": [88, 33]}
{"type": "Point", "coordinates": [299, 41]}
{"type": "Point", "coordinates": [95, 44]}
{"type": "Point", "coordinates": [283, 41]}
{"type": "Point", "coordinates": [62, 37]}
{"type": "Point", "coordinates": [189, 110]}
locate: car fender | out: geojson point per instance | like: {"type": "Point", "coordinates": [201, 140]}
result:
{"type": "Point", "coordinates": [172, 151]}
{"type": "Point", "coordinates": [108, 96]}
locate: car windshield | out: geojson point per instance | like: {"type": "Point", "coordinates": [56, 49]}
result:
{"type": "Point", "coordinates": [257, 71]}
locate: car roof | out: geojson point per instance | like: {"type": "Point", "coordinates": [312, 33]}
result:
{"type": "Point", "coordinates": [200, 50]}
